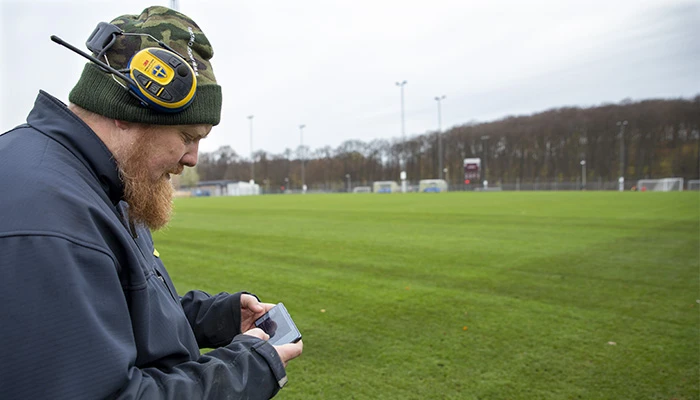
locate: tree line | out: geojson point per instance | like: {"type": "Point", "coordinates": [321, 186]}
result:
{"type": "Point", "coordinates": [643, 139]}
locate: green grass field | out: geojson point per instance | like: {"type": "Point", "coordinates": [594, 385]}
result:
{"type": "Point", "coordinates": [510, 295]}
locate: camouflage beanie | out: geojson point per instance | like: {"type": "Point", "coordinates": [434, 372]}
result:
{"type": "Point", "coordinates": [97, 91]}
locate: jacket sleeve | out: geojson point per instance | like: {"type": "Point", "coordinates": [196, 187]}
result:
{"type": "Point", "coordinates": [224, 373]}
{"type": "Point", "coordinates": [215, 320]}
{"type": "Point", "coordinates": [66, 333]}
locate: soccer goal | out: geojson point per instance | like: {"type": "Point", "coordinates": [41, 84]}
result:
{"type": "Point", "coordinates": [660, 185]}
{"type": "Point", "coordinates": [362, 189]}
{"type": "Point", "coordinates": [694, 184]}
{"type": "Point", "coordinates": [432, 185]}
{"type": "Point", "coordinates": [385, 187]}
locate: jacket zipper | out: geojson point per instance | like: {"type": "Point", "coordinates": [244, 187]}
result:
{"type": "Point", "coordinates": [158, 274]}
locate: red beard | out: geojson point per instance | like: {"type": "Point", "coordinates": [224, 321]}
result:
{"type": "Point", "coordinates": [150, 201]}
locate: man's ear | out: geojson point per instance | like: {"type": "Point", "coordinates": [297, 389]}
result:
{"type": "Point", "coordinates": [123, 125]}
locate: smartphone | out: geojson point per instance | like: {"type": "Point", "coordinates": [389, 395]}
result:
{"type": "Point", "coordinates": [279, 325]}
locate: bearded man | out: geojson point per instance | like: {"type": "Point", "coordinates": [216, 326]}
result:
{"type": "Point", "coordinates": [88, 309]}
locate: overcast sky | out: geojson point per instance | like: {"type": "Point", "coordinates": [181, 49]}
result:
{"type": "Point", "coordinates": [333, 65]}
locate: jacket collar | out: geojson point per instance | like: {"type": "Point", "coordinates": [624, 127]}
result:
{"type": "Point", "coordinates": [52, 118]}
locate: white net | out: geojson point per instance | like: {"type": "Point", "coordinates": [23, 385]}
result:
{"type": "Point", "coordinates": [660, 185]}
{"type": "Point", "coordinates": [432, 185]}
{"type": "Point", "coordinates": [385, 187]}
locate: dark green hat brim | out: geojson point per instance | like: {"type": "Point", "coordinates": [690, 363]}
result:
{"type": "Point", "coordinates": [98, 92]}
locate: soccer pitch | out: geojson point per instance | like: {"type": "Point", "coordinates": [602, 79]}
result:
{"type": "Point", "coordinates": [465, 295]}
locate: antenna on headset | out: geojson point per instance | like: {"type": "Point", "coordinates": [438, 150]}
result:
{"type": "Point", "coordinates": [101, 64]}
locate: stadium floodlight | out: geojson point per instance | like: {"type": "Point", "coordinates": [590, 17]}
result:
{"type": "Point", "coordinates": [301, 149]}
{"type": "Point", "coordinates": [403, 125]}
{"type": "Point", "coordinates": [252, 157]}
{"type": "Point", "coordinates": [622, 125]}
{"type": "Point", "coordinates": [483, 153]}
{"type": "Point", "coordinates": [439, 134]}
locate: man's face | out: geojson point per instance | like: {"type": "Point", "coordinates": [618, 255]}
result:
{"type": "Point", "coordinates": [145, 167]}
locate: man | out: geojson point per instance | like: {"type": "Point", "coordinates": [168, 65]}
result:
{"type": "Point", "coordinates": [87, 309]}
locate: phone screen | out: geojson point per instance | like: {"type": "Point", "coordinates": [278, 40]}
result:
{"type": "Point", "coordinates": [279, 325]}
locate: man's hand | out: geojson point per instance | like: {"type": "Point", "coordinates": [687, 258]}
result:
{"type": "Point", "coordinates": [289, 351]}
{"type": "Point", "coordinates": [286, 352]}
{"type": "Point", "coordinates": [258, 333]}
{"type": "Point", "coordinates": [251, 310]}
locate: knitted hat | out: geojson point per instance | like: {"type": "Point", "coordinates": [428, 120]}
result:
{"type": "Point", "coordinates": [97, 91]}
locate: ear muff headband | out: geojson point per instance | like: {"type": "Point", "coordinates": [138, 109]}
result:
{"type": "Point", "coordinates": [159, 78]}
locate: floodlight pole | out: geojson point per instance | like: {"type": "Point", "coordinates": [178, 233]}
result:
{"type": "Point", "coordinates": [483, 153]}
{"type": "Point", "coordinates": [402, 161]}
{"type": "Point", "coordinates": [301, 149]}
{"type": "Point", "coordinates": [622, 125]}
{"type": "Point", "coordinates": [252, 157]}
{"type": "Point", "coordinates": [347, 176]}
{"type": "Point", "coordinates": [403, 123]}
{"type": "Point", "coordinates": [439, 134]}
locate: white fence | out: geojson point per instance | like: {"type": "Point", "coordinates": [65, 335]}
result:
{"type": "Point", "coordinates": [537, 185]}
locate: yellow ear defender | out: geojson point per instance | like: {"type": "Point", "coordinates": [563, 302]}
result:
{"type": "Point", "coordinates": [159, 78]}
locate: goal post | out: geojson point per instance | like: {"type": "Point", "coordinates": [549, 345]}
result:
{"type": "Point", "coordinates": [660, 185]}
{"type": "Point", "coordinates": [362, 189]}
{"type": "Point", "coordinates": [432, 185]}
{"type": "Point", "coordinates": [385, 187]}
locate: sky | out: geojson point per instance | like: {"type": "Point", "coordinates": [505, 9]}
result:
{"type": "Point", "coordinates": [333, 65]}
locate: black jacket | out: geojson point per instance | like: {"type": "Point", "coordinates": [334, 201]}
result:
{"type": "Point", "coordinates": [87, 309]}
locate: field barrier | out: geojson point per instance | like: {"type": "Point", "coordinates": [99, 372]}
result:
{"type": "Point", "coordinates": [363, 187]}
{"type": "Point", "coordinates": [413, 186]}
